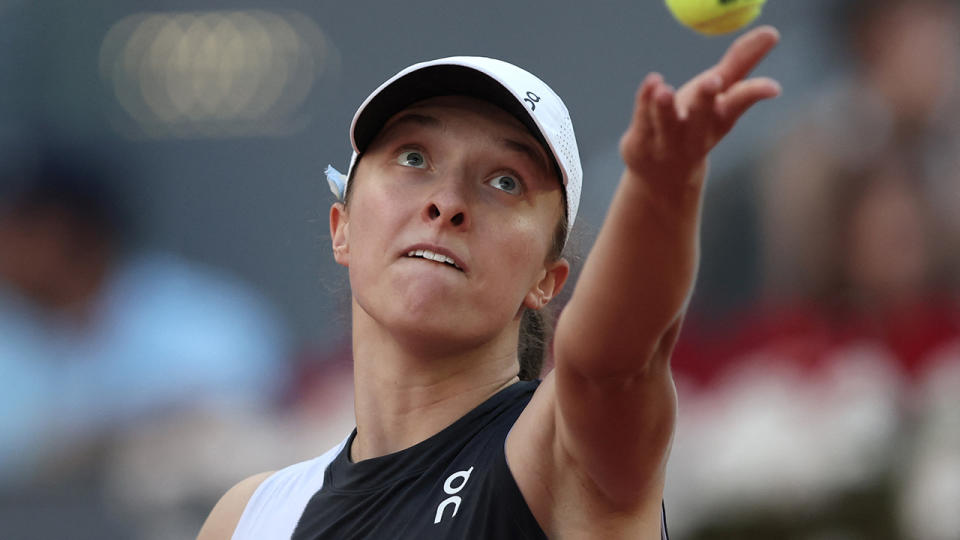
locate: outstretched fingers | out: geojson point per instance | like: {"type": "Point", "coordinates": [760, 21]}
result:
{"type": "Point", "coordinates": [643, 108]}
{"type": "Point", "coordinates": [745, 53]}
{"type": "Point", "coordinates": [664, 115]}
{"type": "Point", "coordinates": [673, 131]}
{"type": "Point", "coordinates": [733, 103]}
{"type": "Point", "coordinates": [654, 121]}
{"type": "Point", "coordinates": [699, 112]}
{"type": "Point", "coordinates": [700, 94]}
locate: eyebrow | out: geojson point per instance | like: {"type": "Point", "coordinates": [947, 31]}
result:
{"type": "Point", "coordinates": [532, 153]}
{"type": "Point", "coordinates": [422, 120]}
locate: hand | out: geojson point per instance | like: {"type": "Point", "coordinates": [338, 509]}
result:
{"type": "Point", "coordinates": [671, 132]}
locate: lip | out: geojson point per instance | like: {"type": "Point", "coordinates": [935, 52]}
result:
{"type": "Point", "coordinates": [437, 249]}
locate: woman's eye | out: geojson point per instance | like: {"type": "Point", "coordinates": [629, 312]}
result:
{"type": "Point", "coordinates": [412, 158]}
{"type": "Point", "coordinates": [505, 183]}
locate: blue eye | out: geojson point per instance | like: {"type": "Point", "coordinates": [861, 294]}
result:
{"type": "Point", "coordinates": [412, 158]}
{"type": "Point", "coordinates": [505, 183]}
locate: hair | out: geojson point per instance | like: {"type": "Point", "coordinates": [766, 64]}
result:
{"type": "Point", "coordinates": [80, 191]}
{"type": "Point", "coordinates": [536, 325]}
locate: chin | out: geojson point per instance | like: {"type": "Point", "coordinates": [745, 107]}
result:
{"type": "Point", "coordinates": [445, 330]}
{"type": "Point", "coordinates": [433, 318]}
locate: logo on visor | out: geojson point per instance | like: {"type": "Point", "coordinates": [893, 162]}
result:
{"type": "Point", "coordinates": [532, 99]}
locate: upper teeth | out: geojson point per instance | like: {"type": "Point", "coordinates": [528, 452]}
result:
{"type": "Point", "coordinates": [427, 254]}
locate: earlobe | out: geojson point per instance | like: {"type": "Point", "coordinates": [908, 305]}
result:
{"type": "Point", "coordinates": [339, 233]}
{"type": "Point", "coordinates": [549, 285]}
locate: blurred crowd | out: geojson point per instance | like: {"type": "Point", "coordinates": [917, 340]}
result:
{"type": "Point", "coordinates": [138, 385]}
{"type": "Point", "coordinates": [101, 340]}
{"type": "Point", "coordinates": [827, 405]}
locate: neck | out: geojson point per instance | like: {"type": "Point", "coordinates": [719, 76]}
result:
{"type": "Point", "coordinates": [405, 393]}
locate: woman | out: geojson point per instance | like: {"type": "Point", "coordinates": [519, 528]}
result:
{"type": "Point", "coordinates": [464, 182]}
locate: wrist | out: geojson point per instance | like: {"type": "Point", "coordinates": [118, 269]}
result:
{"type": "Point", "coordinates": [669, 187]}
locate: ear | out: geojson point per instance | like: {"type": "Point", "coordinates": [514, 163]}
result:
{"type": "Point", "coordinates": [549, 285]}
{"type": "Point", "coordinates": [340, 233]}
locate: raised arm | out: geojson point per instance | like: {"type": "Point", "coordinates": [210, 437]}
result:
{"type": "Point", "coordinates": [615, 394]}
{"type": "Point", "coordinates": [611, 399]}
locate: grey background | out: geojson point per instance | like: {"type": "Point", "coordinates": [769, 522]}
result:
{"type": "Point", "coordinates": [257, 206]}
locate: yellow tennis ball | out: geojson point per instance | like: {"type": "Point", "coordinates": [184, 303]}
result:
{"type": "Point", "coordinates": [714, 17]}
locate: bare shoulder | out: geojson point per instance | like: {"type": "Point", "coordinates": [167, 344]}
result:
{"type": "Point", "coordinates": [224, 517]}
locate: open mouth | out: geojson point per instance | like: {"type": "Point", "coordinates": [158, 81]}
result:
{"type": "Point", "coordinates": [431, 256]}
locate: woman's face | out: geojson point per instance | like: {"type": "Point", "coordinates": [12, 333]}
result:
{"type": "Point", "coordinates": [462, 179]}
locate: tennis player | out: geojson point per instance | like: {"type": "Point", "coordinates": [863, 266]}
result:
{"type": "Point", "coordinates": [461, 191]}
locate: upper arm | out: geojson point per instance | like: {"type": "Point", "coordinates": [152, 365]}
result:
{"type": "Point", "coordinates": [618, 429]}
{"type": "Point", "coordinates": [224, 517]}
{"type": "Point", "coordinates": [619, 425]}
{"type": "Point", "coordinates": [589, 450]}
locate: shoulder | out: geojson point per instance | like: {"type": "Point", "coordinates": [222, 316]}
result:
{"type": "Point", "coordinates": [224, 517]}
{"type": "Point", "coordinates": [268, 505]}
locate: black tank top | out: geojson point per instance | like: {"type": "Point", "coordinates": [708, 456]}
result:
{"type": "Point", "coordinates": [454, 485]}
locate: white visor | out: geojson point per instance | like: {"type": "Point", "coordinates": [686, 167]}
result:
{"type": "Point", "coordinates": [507, 86]}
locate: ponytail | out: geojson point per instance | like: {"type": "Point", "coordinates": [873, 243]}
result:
{"type": "Point", "coordinates": [535, 331]}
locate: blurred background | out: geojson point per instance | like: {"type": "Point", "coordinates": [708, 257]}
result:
{"type": "Point", "coordinates": [171, 320]}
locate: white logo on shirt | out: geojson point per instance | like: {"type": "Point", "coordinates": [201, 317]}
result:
{"type": "Point", "coordinates": [454, 499]}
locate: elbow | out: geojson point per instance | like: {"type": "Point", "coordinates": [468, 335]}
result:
{"type": "Point", "coordinates": [621, 352]}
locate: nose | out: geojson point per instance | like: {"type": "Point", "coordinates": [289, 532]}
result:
{"type": "Point", "coordinates": [447, 207]}
{"type": "Point", "coordinates": [434, 213]}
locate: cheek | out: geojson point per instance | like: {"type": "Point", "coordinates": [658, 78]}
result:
{"type": "Point", "coordinates": [376, 210]}
{"type": "Point", "coordinates": [521, 250]}
{"type": "Point", "coordinates": [371, 221]}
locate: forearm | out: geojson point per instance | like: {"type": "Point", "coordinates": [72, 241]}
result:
{"type": "Point", "coordinates": [638, 277]}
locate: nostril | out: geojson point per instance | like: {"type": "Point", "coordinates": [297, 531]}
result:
{"type": "Point", "coordinates": [457, 219]}
{"type": "Point", "coordinates": [433, 211]}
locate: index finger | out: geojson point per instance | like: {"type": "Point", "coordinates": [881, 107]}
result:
{"type": "Point", "coordinates": [741, 57]}
{"type": "Point", "coordinates": [745, 53]}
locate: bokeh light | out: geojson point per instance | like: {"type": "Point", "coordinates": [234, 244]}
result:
{"type": "Point", "coordinates": [215, 73]}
